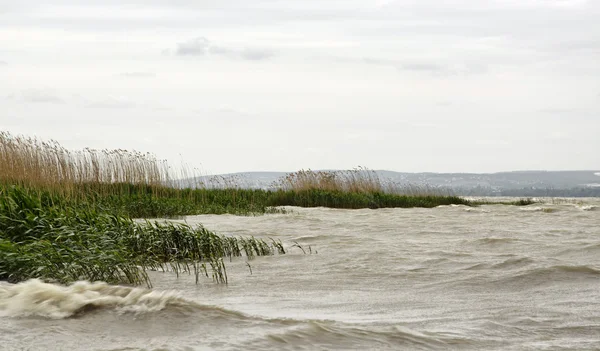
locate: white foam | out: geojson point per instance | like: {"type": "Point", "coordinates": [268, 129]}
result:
{"type": "Point", "coordinates": [35, 297]}
{"type": "Point", "coordinates": [532, 209]}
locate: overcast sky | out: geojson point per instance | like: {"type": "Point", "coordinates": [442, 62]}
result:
{"type": "Point", "coordinates": [247, 85]}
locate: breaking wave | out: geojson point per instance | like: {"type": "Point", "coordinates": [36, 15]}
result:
{"type": "Point", "coordinates": [37, 298]}
{"type": "Point", "coordinates": [476, 210]}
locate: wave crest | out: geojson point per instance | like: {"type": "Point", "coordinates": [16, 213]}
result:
{"type": "Point", "coordinates": [539, 209]}
{"type": "Point", "coordinates": [547, 275]}
{"type": "Point", "coordinates": [34, 297]}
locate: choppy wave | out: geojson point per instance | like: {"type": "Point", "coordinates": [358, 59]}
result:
{"type": "Point", "coordinates": [547, 275]}
{"type": "Point", "coordinates": [514, 262]}
{"type": "Point", "coordinates": [322, 335]}
{"type": "Point", "coordinates": [583, 269]}
{"type": "Point", "coordinates": [539, 209]}
{"type": "Point", "coordinates": [496, 241]}
{"type": "Point", "coordinates": [453, 206]}
{"type": "Point", "coordinates": [589, 250]}
{"type": "Point", "coordinates": [511, 263]}
{"type": "Point", "coordinates": [37, 298]}
{"type": "Point", "coordinates": [391, 279]}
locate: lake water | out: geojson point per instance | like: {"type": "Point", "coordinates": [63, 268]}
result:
{"type": "Point", "coordinates": [450, 278]}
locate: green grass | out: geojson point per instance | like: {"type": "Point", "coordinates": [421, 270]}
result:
{"type": "Point", "coordinates": [138, 201]}
{"type": "Point", "coordinates": [44, 236]}
{"type": "Point", "coordinates": [357, 200]}
{"type": "Point", "coordinates": [176, 202]}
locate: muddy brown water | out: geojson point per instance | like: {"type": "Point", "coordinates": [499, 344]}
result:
{"type": "Point", "coordinates": [486, 278]}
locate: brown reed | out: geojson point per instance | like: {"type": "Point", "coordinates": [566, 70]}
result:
{"type": "Point", "coordinates": [357, 180]}
{"type": "Point", "coordinates": [33, 163]}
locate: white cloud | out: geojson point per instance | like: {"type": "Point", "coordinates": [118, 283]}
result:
{"type": "Point", "coordinates": [256, 54]}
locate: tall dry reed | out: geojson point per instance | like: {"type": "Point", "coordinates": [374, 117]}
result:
{"type": "Point", "coordinates": [31, 162]}
{"type": "Point", "coordinates": [358, 180]}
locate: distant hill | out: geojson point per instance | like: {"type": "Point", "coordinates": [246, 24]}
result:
{"type": "Point", "coordinates": [518, 183]}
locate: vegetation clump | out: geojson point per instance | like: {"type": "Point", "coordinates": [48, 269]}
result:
{"type": "Point", "coordinates": [520, 202]}
{"type": "Point", "coordinates": [523, 202]}
{"type": "Point", "coordinates": [40, 237]}
{"type": "Point", "coordinates": [357, 200]}
{"type": "Point", "coordinates": [353, 189]}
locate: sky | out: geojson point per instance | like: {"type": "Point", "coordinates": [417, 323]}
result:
{"type": "Point", "coordinates": [247, 85]}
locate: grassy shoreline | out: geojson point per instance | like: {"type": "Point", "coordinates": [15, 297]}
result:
{"type": "Point", "coordinates": [67, 216]}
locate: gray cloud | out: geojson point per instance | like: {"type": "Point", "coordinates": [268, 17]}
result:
{"type": "Point", "coordinates": [219, 50]}
{"type": "Point", "coordinates": [3, 63]}
{"type": "Point", "coordinates": [579, 45]}
{"type": "Point", "coordinates": [194, 47]}
{"type": "Point", "coordinates": [425, 66]}
{"type": "Point", "coordinates": [41, 96]}
{"type": "Point", "coordinates": [201, 46]}
{"type": "Point", "coordinates": [443, 69]}
{"type": "Point", "coordinates": [256, 54]}
{"type": "Point", "coordinates": [137, 75]}
{"type": "Point", "coordinates": [115, 102]}
{"type": "Point", "coordinates": [561, 111]}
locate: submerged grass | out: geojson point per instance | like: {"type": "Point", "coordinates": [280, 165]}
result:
{"type": "Point", "coordinates": [520, 202]}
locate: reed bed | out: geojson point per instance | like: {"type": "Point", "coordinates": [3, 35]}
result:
{"type": "Point", "coordinates": [137, 185]}
{"type": "Point", "coordinates": [130, 183]}
{"type": "Point", "coordinates": [353, 189]}
{"type": "Point", "coordinates": [31, 162]}
{"type": "Point", "coordinates": [358, 180]}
